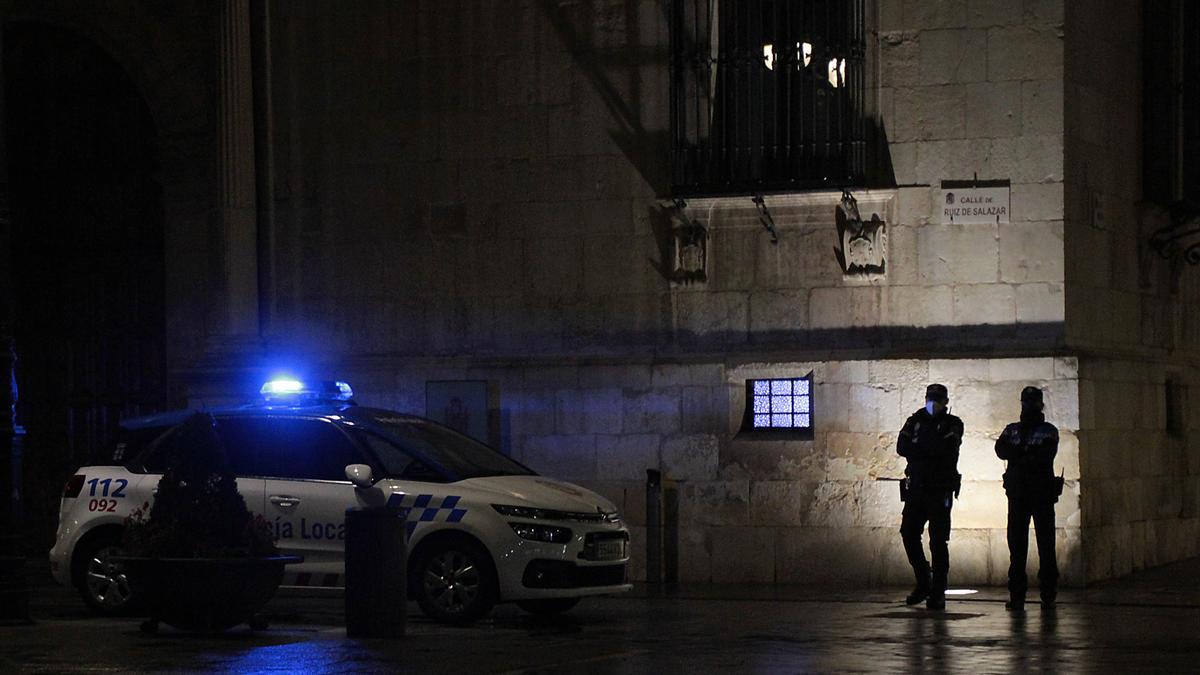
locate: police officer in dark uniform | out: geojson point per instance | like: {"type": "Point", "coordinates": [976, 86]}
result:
{"type": "Point", "coordinates": [1029, 447]}
{"type": "Point", "coordinates": [929, 441]}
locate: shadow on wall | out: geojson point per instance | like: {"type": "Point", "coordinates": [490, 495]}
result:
{"type": "Point", "coordinates": [647, 149]}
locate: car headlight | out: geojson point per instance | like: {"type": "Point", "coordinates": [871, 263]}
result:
{"type": "Point", "coordinates": [548, 533]}
{"type": "Point", "coordinates": [521, 511]}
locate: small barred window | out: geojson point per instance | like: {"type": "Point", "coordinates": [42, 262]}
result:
{"type": "Point", "coordinates": [779, 404]}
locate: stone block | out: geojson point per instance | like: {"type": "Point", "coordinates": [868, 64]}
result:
{"type": "Point", "coordinates": [690, 458]}
{"type": "Point", "coordinates": [588, 411]}
{"type": "Point", "coordinates": [1040, 303]}
{"type": "Point", "coordinates": [954, 371]}
{"type": "Point", "coordinates": [714, 503]}
{"type": "Point", "coordinates": [850, 372]}
{"type": "Point", "coordinates": [898, 372]}
{"type": "Point", "coordinates": [1045, 11]}
{"type": "Point", "coordinates": [743, 554]}
{"type": "Point", "coordinates": [957, 254]}
{"type": "Point", "coordinates": [1068, 454]}
{"type": "Point", "coordinates": [712, 317]}
{"type": "Point", "coordinates": [835, 504]}
{"type": "Point", "coordinates": [653, 411]}
{"type": "Point", "coordinates": [1062, 403]}
{"type": "Point", "coordinates": [1021, 370]}
{"type": "Point", "coordinates": [993, 109]}
{"type": "Point", "coordinates": [904, 162]}
{"type": "Point", "coordinates": [1024, 53]}
{"type": "Point", "coordinates": [1027, 159]}
{"type": "Point", "coordinates": [778, 313]}
{"type": "Point", "coordinates": [917, 305]}
{"type": "Point", "coordinates": [938, 160]}
{"type": "Point", "coordinates": [782, 503]}
{"type": "Point", "coordinates": [532, 411]}
{"type": "Point", "coordinates": [833, 556]}
{"type": "Point", "coordinates": [831, 407]}
{"type": "Point", "coordinates": [1031, 252]}
{"type": "Point", "coordinates": [928, 113]}
{"type": "Point", "coordinates": [566, 457]}
{"type": "Point", "coordinates": [861, 456]}
{"type": "Point", "coordinates": [899, 58]}
{"type": "Point", "coordinates": [844, 307]}
{"type": "Point", "coordinates": [1042, 107]}
{"type": "Point", "coordinates": [1037, 202]}
{"type": "Point", "coordinates": [636, 376]}
{"type": "Point", "coordinates": [970, 557]}
{"type": "Point", "coordinates": [990, 13]}
{"type": "Point", "coordinates": [925, 15]}
{"type": "Point", "coordinates": [680, 374]}
{"type": "Point", "coordinates": [696, 565]}
{"type": "Point", "coordinates": [704, 410]}
{"type": "Point", "coordinates": [977, 460]}
{"type": "Point", "coordinates": [981, 304]}
{"type": "Point", "coordinates": [750, 459]}
{"type": "Point", "coordinates": [879, 504]}
{"type": "Point", "coordinates": [982, 504]}
{"type": "Point", "coordinates": [875, 409]}
{"type": "Point", "coordinates": [626, 457]}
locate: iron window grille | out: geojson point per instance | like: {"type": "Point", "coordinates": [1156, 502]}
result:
{"type": "Point", "coordinates": [1171, 101]}
{"type": "Point", "coordinates": [779, 405]}
{"type": "Point", "coordinates": [767, 95]}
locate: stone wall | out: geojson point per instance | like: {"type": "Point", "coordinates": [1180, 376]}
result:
{"type": "Point", "coordinates": [1141, 506]}
{"type": "Point", "coordinates": [776, 510]}
{"type": "Point", "coordinates": [1130, 312]}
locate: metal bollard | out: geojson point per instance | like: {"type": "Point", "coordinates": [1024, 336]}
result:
{"type": "Point", "coordinates": [376, 572]}
{"type": "Point", "coordinates": [654, 526]}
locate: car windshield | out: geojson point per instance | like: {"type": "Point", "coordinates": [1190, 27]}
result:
{"type": "Point", "coordinates": [457, 453]}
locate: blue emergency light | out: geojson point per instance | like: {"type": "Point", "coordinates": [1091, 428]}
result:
{"type": "Point", "coordinates": [290, 390]}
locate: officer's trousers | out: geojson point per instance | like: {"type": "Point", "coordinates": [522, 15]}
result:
{"type": "Point", "coordinates": [1020, 510]}
{"type": "Point", "coordinates": [919, 509]}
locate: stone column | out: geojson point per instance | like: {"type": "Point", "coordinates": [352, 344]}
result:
{"type": "Point", "coordinates": [236, 320]}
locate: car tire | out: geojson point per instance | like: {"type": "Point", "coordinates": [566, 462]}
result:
{"type": "Point", "coordinates": [102, 583]}
{"type": "Point", "coordinates": [454, 582]}
{"type": "Point", "coordinates": [549, 606]}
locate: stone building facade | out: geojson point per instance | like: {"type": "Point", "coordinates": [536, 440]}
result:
{"type": "Point", "coordinates": [428, 191]}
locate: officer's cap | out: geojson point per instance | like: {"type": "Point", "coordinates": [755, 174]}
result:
{"type": "Point", "coordinates": [1031, 395]}
{"type": "Point", "coordinates": [937, 392]}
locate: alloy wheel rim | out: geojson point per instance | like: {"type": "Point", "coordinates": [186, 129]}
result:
{"type": "Point", "coordinates": [106, 580]}
{"type": "Point", "coordinates": [452, 581]}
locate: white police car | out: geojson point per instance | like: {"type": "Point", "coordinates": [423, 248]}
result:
{"type": "Point", "coordinates": [482, 528]}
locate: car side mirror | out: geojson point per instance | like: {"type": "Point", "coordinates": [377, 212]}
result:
{"type": "Point", "coordinates": [360, 475]}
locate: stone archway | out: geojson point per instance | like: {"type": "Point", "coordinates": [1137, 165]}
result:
{"type": "Point", "coordinates": [87, 261]}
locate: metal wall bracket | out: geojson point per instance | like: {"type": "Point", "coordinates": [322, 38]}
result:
{"type": "Point", "coordinates": [764, 217]}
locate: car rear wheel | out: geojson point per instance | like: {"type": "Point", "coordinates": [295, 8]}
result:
{"type": "Point", "coordinates": [102, 582]}
{"type": "Point", "coordinates": [549, 606]}
{"type": "Point", "coordinates": [455, 582]}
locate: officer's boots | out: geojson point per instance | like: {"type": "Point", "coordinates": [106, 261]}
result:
{"type": "Point", "coordinates": [920, 591]}
{"type": "Point", "coordinates": [1048, 598]}
{"type": "Point", "coordinates": [936, 599]}
{"type": "Point", "coordinates": [1016, 603]}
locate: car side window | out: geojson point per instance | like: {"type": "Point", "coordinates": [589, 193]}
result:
{"type": "Point", "coordinates": [283, 447]}
{"type": "Point", "coordinates": [397, 462]}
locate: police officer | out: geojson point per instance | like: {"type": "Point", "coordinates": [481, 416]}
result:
{"type": "Point", "coordinates": [1029, 447]}
{"type": "Point", "coordinates": [929, 441]}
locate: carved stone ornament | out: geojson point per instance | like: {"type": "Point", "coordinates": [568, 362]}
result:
{"type": "Point", "coordinates": [862, 247]}
{"type": "Point", "coordinates": [691, 250]}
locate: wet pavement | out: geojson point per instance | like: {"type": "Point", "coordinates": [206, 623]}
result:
{"type": "Point", "coordinates": [1146, 623]}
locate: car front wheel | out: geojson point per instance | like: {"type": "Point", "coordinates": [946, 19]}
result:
{"type": "Point", "coordinates": [455, 583]}
{"type": "Point", "coordinates": [102, 582]}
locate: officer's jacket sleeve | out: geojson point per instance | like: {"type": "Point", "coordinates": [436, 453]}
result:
{"type": "Point", "coordinates": [1048, 448]}
{"type": "Point", "coordinates": [1009, 443]}
{"type": "Point", "coordinates": [907, 446]}
{"type": "Point", "coordinates": [951, 443]}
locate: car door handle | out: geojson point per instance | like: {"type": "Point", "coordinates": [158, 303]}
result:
{"type": "Point", "coordinates": [284, 500]}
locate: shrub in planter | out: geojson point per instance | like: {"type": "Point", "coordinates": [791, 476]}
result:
{"type": "Point", "coordinates": [197, 557]}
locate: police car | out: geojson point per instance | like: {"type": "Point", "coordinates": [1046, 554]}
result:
{"type": "Point", "coordinates": [482, 528]}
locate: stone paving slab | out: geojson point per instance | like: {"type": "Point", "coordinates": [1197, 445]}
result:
{"type": "Point", "coordinates": [1120, 627]}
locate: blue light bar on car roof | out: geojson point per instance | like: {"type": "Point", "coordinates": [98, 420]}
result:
{"type": "Point", "coordinates": [286, 389]}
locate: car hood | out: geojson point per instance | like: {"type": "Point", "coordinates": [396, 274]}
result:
{"type": "Point", "coordinates": [540, 492]}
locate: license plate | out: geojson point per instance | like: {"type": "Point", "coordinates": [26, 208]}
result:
{"type": "Point", "coordinates": [613, 549]}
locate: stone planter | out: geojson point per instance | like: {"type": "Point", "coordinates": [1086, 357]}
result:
{"type": "Point", "coordinates": [205, 594]}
